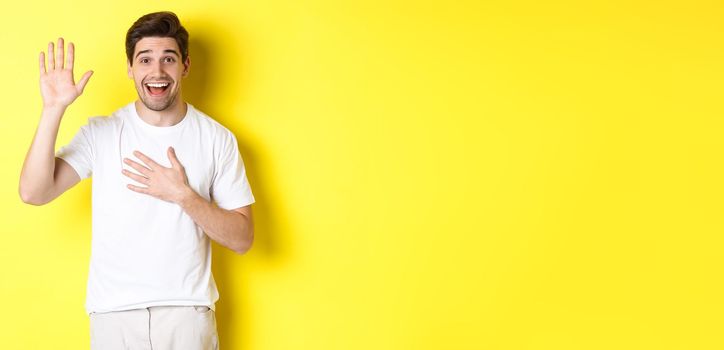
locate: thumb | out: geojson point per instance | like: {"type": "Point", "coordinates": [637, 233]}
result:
{"type": "Point", "coordinates": [83, 80]}
{"type": "Point", "coordinates": [173, 159]}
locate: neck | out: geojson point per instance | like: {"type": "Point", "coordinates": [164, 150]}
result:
{"type": "Point", "coordinates": [167, 117]}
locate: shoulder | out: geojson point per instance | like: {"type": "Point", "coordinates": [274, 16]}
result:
{"type": "Point", "coordinates": [212, 128]}
{"type": "Point", "coordinates": [103, 123]}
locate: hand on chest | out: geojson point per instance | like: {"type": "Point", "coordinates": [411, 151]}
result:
{"type": "Point", "coordinates": [148, 162]}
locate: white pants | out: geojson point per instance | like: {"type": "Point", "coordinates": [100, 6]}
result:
{"type": "Point", "coordinates": [155, 328]}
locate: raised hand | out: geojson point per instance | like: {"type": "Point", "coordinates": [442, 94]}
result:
{"type": "Point", "coordinates": [56, 84]}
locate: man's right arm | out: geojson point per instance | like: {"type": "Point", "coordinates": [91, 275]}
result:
{"type": "Point", "coordinates": [44, 177]}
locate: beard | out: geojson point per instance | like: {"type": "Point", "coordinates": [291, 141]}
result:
{"type": "Point", "coordinates": [157, 103]}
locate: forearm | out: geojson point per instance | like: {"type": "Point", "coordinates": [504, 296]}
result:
{"type": "Point", "coordinates": [37, 175]}
{"type": "Point", "coordinates": [228, 228]}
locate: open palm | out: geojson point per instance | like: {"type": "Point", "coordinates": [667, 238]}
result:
{"type": "Point", "coordinates": [56, 83]}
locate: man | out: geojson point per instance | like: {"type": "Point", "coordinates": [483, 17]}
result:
{"type": "Point", "coordinates": [157, 164]}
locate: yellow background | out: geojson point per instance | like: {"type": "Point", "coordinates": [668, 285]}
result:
{"type": "Point", "coordinates": [428, 175]}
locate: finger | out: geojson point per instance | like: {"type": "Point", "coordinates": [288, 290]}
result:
{"type": "Point", "coordinates": [42, 62]}
{"type": "Point", "coordinates": [51, 62]}
{"type": "Point", "coordinates": [71, 56]}
{"type": "Point", "coordinates": [60, 49]}
{"type": "Point", "coordinates": [83, 80]}
{"type": "Point", "coordinates": [172, 157]}
{"type": "Point", "coordinates": [138, 189]}
{"type": "Point", "coordinates": [141, 169]}
{"type": "Point", "coordinates": [136, 177]}
{"type": "Point", "coordinates": [148, 161]}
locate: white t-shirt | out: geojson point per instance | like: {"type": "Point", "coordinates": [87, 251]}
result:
{"type": "Point", "coordinates": [146, 251]}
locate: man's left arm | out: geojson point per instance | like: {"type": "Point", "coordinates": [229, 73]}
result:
{"type": "Point", "coordinates": [233, 229]}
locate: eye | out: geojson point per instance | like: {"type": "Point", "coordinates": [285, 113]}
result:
{"type": "Point", "coordinates": [144, 60]}
{"type": "Point", "coordinates": [170, 59]}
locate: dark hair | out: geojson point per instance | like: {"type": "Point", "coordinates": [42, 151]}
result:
{"type": "Point", "coordinates": [163, 24]}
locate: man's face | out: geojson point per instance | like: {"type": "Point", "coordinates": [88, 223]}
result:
{"type": "Point", "coordinates": [157, 71]}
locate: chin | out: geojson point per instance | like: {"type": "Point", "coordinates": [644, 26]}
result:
{"type": "Point", "coordinates": [157, 105]}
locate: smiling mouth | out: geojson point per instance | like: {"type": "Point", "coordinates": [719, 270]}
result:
{"type": "Point", "coordinates": [157, 89]}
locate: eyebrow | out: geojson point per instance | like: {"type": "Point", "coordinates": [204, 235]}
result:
{"type": "Point", "coordinates": [149, 50]}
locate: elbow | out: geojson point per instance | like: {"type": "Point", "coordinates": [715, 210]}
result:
{"type": "Point", "coordinates": [244, 245]}
{"type": "Point", "coordinates": [31, 198]}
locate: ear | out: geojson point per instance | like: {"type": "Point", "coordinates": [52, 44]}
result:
{"type": "Point", "coordinates": [130, 72]}
{"type": "Point", "coordinates": [187, 66]}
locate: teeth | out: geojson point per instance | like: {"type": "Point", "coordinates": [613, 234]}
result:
{"type": "Point", "coordinates": [157, 84]}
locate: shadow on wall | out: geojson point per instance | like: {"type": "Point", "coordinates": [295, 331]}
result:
{"type": "Point", "coordinates": [214, 57]}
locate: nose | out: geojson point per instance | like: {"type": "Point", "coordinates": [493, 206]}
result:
{"type": "Point", "coordinates": [157, 68]}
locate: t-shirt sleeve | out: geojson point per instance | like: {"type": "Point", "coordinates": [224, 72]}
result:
{"type": "Point", "coordinates": [230, 188]}
{"type": "Point", "coordinates": [79, 152]}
